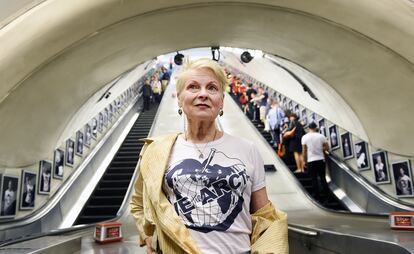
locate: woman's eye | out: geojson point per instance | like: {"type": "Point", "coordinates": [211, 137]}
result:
{"type": "Point", "coordinates": [212, 89]}
{"type": "Point", "coordinates": [193, 87]}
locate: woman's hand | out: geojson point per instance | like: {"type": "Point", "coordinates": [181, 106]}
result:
{"type": "Point", "coordinates": [148, 242]}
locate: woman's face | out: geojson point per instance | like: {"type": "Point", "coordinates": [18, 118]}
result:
{"type": "Point", "coordinates": [379, 160]}
{"type": "Point", "coordinates": [402, 173]}
{"type": "Point", "coordinates": [201, 97]}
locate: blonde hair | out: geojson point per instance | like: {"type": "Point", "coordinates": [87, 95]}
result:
{"type": "Point", "coordinates": [207, 63]}
{"type": "Point", "coordinates": [273, 102]}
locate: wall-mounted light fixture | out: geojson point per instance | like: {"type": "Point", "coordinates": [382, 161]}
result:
{"type": "Point", "coordinates": [246, 57]}
{"type": "Point", "coordinates": [178, 58]}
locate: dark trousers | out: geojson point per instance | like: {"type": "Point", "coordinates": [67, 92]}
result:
{"type": "Point", "coordinates": [275, 136]}
{"type": "Point", "coordinates": [317, 168]}
{"type": "Point", "coordinates": [147, 102]}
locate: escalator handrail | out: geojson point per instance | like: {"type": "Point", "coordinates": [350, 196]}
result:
{"type": "Point", "coordinates": [374, 190]}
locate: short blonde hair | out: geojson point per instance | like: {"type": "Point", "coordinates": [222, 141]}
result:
{"type": "Point", "coordinates": [212, 65]}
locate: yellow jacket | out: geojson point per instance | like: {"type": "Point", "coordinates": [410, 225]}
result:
{"type": "Point", "coordinates": [155, 216]}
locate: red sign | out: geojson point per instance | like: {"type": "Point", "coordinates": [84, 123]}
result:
{"type": "Point", "coordinates": [112, 232]}
{"type": "Point", "coordinates": [402, 221]}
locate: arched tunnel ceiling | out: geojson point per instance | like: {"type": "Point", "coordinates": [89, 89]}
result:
{"type": "Point", "coordinates": [61, 52]}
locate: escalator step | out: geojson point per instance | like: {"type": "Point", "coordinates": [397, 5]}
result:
{"type": "Point", "coordinates": [109, 210]}
{"type": "Point", "coordinates": [133, 158]}
{"type": "Point", "coordinates": [111, 200]}
{"type": "Point", "coordinates": [116, 170]}
{"type": "Point", "coordinates": [114, 184]}
{"type": "Point", "coordinates": [117, 176]}
{"type": "Point", "coordinates": [126, 153]}
{"type": "Point", "coordinates": [123, 163]}
{"type": "Point", "coordinates": [109, 191]}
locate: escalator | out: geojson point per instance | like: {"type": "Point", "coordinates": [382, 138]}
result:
{"type": "Point", "coordinates": [109, 193]}
{"type": "Point", "coordinates": [325, 199]}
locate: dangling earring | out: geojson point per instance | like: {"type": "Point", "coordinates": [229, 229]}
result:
{"type": "Point", "coordinates": [221, 112]}
{"type": "Point", "coordinates": [180, 111]}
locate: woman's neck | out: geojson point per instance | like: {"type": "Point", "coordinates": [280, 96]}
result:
{"type": "Point", "coordinates": [201, 132]}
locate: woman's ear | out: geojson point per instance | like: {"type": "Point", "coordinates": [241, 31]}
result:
{"type": "Point", "coordinates": [179, 100]}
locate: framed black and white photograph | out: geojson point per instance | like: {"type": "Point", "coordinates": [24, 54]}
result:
{"type": "Point", "coordinates": [322, 127]}
{"type": "Point", "coordinates": [284, 103]}
{"type": "Point", "coordinates": [9, 196]}
{"type": "Point", "coordinates": [380, 165]}
{"type": "Point", "coordinates": [70, 152]}
{"type": "Point", "coordinates": [312, 117]}
{"type": "Point", "coordinates": [346, 141]}
{"type": "Point", "coordinates": [110, 113]}
{"type": "Point", "coordinates": [79, 143]}
{"type": "Point", "coordinates": [361, 155]}
{"type": "Point", "coordinates": [290, 105]}
{"type": "Point", "coordinates": [118, 104]}
{"type": "Point", "coordinates": [115, 108]}
{"type": "Point", "coordinates": [296, 110]}
{"type": "Point", "coordinates": [45, 172]}
{"type": "Point", "coordinates": [402, 178]}
{"type": "Point", "coordinates": [279, 98]}
{"type": "Point", "coordinates": [123, 99]}
{"type": "Point", "coordinates": [105, 117]}
{"type": "Point", "coordinates": [88, 135]}
{"type": "Point", "coordinates": [333, 137]}
{"type": "Point", "coordinates": [27, 190]}
{"type": "Point", "coordinates": [94, 124]}
{"type": "Point", "coordinates": [58, 163]}
{"type": "Point", "coordinates": [100, 122]}
{"type": "Point", "coordinates": [304, 117]}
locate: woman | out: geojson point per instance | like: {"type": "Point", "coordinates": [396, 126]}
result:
{"type": "Point", "coordinates": [380, 170]}
{"type": "Point", "coordinates": [294, 135]}
{"type": "Point", "coordinates": [196, 189]}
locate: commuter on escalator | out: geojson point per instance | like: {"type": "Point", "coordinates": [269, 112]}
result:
{"type": "Point", "coordinates": [201, 191]}
{"type": "Point", "coordinates": [165, 79]}
{"type": "Point", "coordinates": [156, 89]}
{"type": "Point", "coordinates": [260, 102]}
{"type": "Point", "coordinates": [275, 118]}
{"type": "Point", "coordinates": [250, 93]}
{"type": "Point", "coordinates": [146, 94]}
{"type": "Point", "coordinates": [293, 136]}
{"type": "Point", "coordinates": [315, 148]}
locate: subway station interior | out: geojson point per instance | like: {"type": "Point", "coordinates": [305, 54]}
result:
{"type": "Point", "coordinates": [72, 122]}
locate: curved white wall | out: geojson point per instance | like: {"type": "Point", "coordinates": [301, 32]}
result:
{"type": "Point", "coordinates": [58, 54]}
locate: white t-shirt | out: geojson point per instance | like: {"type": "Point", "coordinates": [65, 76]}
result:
{"type": "Point", "coordinates": [212, 195]}
{"type": "Point", "coordinates": [314, 142]}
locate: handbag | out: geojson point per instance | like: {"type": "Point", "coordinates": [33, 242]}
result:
{"type": "Point", "coordinates": [289, 134]}
{"type": "Point", "coordinates": [281, 151]}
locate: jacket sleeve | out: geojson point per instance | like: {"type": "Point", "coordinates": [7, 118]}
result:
{"type": "Point", "coordinates": [139, 209]}
{"type": "Point", "coordinates": [270, 231]}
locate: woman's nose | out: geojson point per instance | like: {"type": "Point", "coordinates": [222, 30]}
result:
{"type": "Point", "coordinates": [203, 92]}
